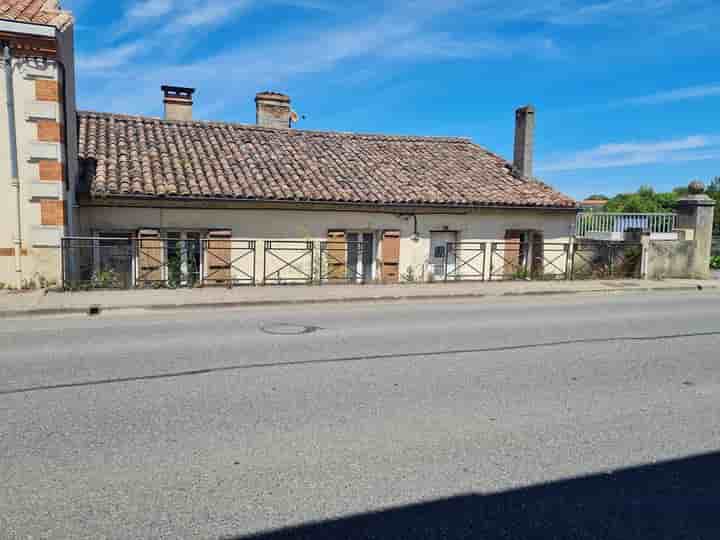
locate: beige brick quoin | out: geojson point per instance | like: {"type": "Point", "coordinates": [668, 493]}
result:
{"type": "Point", "coordinates": [47, 90]}
{"type": "Point", "coordinates": [50, 170]}
{"type": "Point", "coordinates": [52, 213]}
{"type": "Point", "coordinates": [48, 131]}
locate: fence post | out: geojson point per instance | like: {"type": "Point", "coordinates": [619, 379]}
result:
{"type": "Point", "coordinates": [487, 266]}
{"type": "Point", "coordinates": [569, 258]}
{"type": "Point", "coordinates": [645, 256]}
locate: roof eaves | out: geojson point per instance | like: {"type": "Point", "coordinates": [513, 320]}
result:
{"type": "Point", "coordinates": [260, 200]}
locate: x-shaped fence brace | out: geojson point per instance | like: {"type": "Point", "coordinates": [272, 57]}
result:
{"type": "Point", "coordinates": [293, 264]}
{"type": "Point", "coordinates": [553, 263]}
{"type": "Point", "coordinates": [623, 257]}
{"type": "Point", "coordinates": [457, 249]}
{"type": "Point", "coordinates": [588, 263]}
{"type": "Point", "coordinates": [351, 274]}
{"type": "Point", "coordinates": [514, 265]}
{"type": "Point", "coordinates": [231, 264]}
{"type": "Point", "coordinates": [613, 256]}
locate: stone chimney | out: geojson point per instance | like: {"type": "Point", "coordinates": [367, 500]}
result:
{"type": "Point", "coordinates": [178, 102]}
{"type": "Point", "coordinates": [273, 110]}
{"type": "Point", "coordinates": [524, 141]}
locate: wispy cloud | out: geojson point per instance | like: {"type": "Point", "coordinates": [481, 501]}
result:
{"type": "Point", "coordinates": [396, 36]}
{"type": "Point", "coordinates": [573, 12]}
{"type": "Point", "coordinates": [108, 59]}
{"type": "Point", "coordinates": [671, 96]}
{"type": "Point", "coordinates": [208, 13]}
{"type": "Point", "coordinates": [691, 148]}
{"type": "Point", "coordinates": [148, 9]}
{"type": "Point", "coordinates": [583, 13]}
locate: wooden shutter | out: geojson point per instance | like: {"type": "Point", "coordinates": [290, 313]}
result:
{"type": "Point", "coordinates": [336, 255]}
{"type": "Point", "coordinates": [391, 256]}
{"type": "Point", "coordinates": [150, 257]}
{"type": "Point", "coordinates": [219, 257]}
{"type": "Point", "coordinates": [512, 252]}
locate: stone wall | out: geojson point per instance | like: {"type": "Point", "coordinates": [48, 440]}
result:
{"type": "Point", "coordinates": [670, 259]}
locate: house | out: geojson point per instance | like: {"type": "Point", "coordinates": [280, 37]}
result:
{"type": "Point", "coordinates": [593, 205]}
{"type": "Point", "coordinates": [380, 207]}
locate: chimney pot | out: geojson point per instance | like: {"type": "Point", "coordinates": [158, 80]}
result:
{"type": "Point", "coordinates": [273, 110]}
{"type": "Point", "coordinates": [178, 102]}
{"type": "Point", "coordinates": [524, 141]}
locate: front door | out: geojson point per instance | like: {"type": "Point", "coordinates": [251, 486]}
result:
{"type": "Point", "coordinates": [360, 256]}
{"type": "Point", "coordinates": [441, 246]}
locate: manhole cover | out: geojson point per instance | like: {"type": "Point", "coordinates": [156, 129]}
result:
{"type": "Point", "coordinates": [286, 329]}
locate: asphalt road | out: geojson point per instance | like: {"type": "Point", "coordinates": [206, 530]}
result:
{"type": "Point", "coordinates": [574, 417]}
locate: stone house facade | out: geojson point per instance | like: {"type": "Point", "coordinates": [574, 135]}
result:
{"type": "Point", "coordinates": [395, 202]}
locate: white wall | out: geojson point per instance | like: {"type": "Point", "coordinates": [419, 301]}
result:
{"type": "Point", "coordinates": [478, 226]}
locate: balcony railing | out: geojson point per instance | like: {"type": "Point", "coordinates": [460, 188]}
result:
{"type": "Point", "coordinates": [594, 222]}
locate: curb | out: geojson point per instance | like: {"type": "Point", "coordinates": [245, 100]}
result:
{"type": "Point", "coordinates": [94, 309]}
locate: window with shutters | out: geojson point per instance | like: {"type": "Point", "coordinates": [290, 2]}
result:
{"type": "Point", "coordinates": [391, 256]}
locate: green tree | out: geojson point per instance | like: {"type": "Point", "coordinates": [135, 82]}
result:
{"type": "Point", "coordinates": [646, 200]}
{"type": "Point", "coordinates": [713, 190]}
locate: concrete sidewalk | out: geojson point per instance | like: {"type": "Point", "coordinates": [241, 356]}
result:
{"type": "Point", "coordinates": [56, 303]}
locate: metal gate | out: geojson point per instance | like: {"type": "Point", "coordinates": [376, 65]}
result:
{"type": "Point", "coordinates": [550, 261]}
{"type": "Point", "coordinates": [465, 261]}
{"type": "Point", "coordinates": [286, 262]}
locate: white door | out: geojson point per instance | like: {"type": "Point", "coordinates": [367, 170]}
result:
{"type": "Point", "coordinates": [440, 248]}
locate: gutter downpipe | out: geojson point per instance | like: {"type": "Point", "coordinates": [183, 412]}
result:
{"type": "Point", "coordinates": [14, 173]}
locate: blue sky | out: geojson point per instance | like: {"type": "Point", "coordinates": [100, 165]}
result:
{"type": "Point", "coordinates": [627, 92]}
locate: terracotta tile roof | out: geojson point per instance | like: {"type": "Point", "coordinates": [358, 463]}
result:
{"type": "Point", "coordinates": [46, 12]}
{"type": "Point", "coordinates": [139, 157]}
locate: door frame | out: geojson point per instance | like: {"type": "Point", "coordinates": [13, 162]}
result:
{"type": "Point", "coordinates": [455, 234]}
{"type": "Point", "coordinates": [375, 247]}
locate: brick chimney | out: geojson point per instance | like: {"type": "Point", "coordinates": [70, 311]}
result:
{"type": "Point", "coordinates": [178, 102]}
{"type": "Point", "coordinates": [273, 110]}
{"type": "Point", "coordinates": [524, 141]}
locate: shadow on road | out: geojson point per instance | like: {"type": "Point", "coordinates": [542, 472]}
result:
{"type": "Point", "coordinates": [672, 500]}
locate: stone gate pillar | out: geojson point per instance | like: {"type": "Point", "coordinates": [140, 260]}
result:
{"type": "Point", "coordinates": [696, 211]}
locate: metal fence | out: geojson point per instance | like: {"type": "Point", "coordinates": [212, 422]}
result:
{"type": "Point", "coordinates": [619, 223]}
{"type": "Point", "coordinates": [550, 261]}
{"type": "Point", "coordinates": [603, 260]}
{"type": "Point", "coordinates": [123, 262]}
{"type": "Point", "coordinates": [584, 259]}
{"type": "Point", "coordinates": [465, 261]}
{"type": "Point", "coordinates": [92, 263]}
{"type": "Point", "coordinates": [346, 262]}
{"type": "Point", "coordinates": [288, 262]}
{"type": "Point", "coordinates": [510, 260]}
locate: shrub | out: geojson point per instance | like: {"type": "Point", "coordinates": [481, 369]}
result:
{"type": "Point", "coordinates": [104, 279]}
{"type": "Point", "coordinates": [715, 262]}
